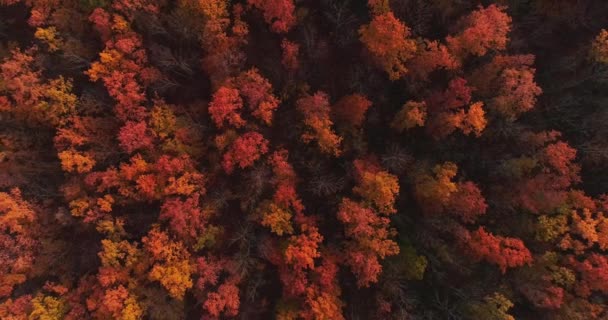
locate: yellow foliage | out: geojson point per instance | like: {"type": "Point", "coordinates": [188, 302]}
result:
{"type": "Point", "coordinates": [117, 254]}
{"type": "Point", "coordinates": [59, 103]}
{"type": "Point", "coordinates": [172, 267]}
{"type": "Point", "coordinates": [48, 308]}
{"type": "Point", "coordinates": [379, 188]}
{"type": "Point", "coordinates": [50, 37]}
{"type": "Point", "coordinates": [549, 228]}
{"type": "Point", "coordinates": [162, 121]}
{"type": "Point", "coordinates": [494, 307]}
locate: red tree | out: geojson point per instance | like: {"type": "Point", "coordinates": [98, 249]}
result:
{"type": "Point", "coordinates": [244, 151]}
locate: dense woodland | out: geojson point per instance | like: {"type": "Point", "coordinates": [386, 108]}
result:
{"type": "Point", "coordinates": [304, 159]}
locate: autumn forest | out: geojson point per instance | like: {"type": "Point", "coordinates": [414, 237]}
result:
{"type": "Point", "coordinates": [304, 159]}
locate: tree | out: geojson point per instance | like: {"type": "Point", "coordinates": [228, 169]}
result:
{"type": "Point", "coordinates": [494, 307]}
{"type": "Point", "coordinates": [18, 244]}
{"type": "Point", "coordinates": [593, 276]}
{"type": "Point", "coordinates": [244, 151]}
{"type": "Point", "coordinates": [276, 218]}
{"type": "Point", "coordinates": [376, 186]}
{"type": "Point", "coordinates": [412, 114]}
{"type": "Point", "coordinates": [316, 112]}
{"type": "Point", "coordinates": [430, 56]}
{"type": "Point", "coordinates": [507, 82]}
{"type": "Point", "coordinates": [483, 30]}
{"type": "Point", "coordinates": [279, 14]}
{"type": "Point", "coordinates": [371, 241]}
{"type": "Point", "coordinates": [502, 251]}
{"type": "Point", "coordinates": [135, 136]}
{"type": "Point", "coordinates": [289, 58]}
{"type": "Point", "coordinates": [303, 248]}
{"type": "Point", "coordinates": [257, 91]}
{"type": "Point", "coordinates": [387, 39]}
{"type": "Point", "coordinates": [171, 263]}
{"type": "Point", "coordinates": [434, 191]}
{"type": "Point", "coordinates": [467, 202]}
{"type": "Point", "coordinates": [224, 107]}
{"type": "Point", "coordinates": [599, 47]}
{"type": "Point", "coordinates": [351, 109]}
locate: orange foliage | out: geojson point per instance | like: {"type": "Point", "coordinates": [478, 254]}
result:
{"type": "Point", "coordinates": [172, 267]}
{"type": "Point", "coordinates": [377, 187]}
{"type": "Point", "coordinates": [74, 161]}
{"type": "Point", "coordinates": [18, 242]}
{"type": "Point", "coordinates": [447, 113]}
{"type": "Point", "coordinates": [599, 47]}
{"type": "Point", "coordinates": [412, 114]}
{"type": "Point", "coordinates": [277, 219]}
{"type": "Point", "coordinates": [483, 30]}
{"type": "Point", "coordinates": [434, 191]}
{"type": "Point", "coordinates": [387, 39]}
{"type": "Point", "coordinates": [316, 111]}
{"type": "Point", "coordinates": [304, 248]}
{"type": "Point", "coordinates": [430, 56]}
{"type": "Point", "coordinates": [585, 230]}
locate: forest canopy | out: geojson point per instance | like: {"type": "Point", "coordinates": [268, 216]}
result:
{"type": "Point", "coordinates": [303, 159]}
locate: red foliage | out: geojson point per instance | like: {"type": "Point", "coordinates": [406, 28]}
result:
{"type": "Point", "coordinates": [285, 182]}
{"type": "Point", "coordinates": [101, 21]}
{"type": "Point", "coordinates": [502, 251]}
{"type": "Point", "coordinates": [290, 55]}
{"type": "Point", "coordinates": [186, 219]}
{"type": "Point", "coordinates": [225, 107]}
{"type": "Point", "coordinates": [593, 274]}
{"type": "Point", "coordinates": [279, 14]}
{"type": "Point", "coordinates": [551, 297]}
{"type": "Point", "coordinates": [351, 109]}
{"type": "Point", "coordinates": [257, 91]}
{"type": "Point", "coordinates": [25, 84]}
{"type": "Point", "coordinates": [135, 136]}
{"type": "Point", "coordinates": [244, 151]}
{"type": "Point", "coordinates": [371, 241]}
{"type": "Point", "coordinates": [447, 113]}
{"type": "Point", "coordinates": [467, 202]}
